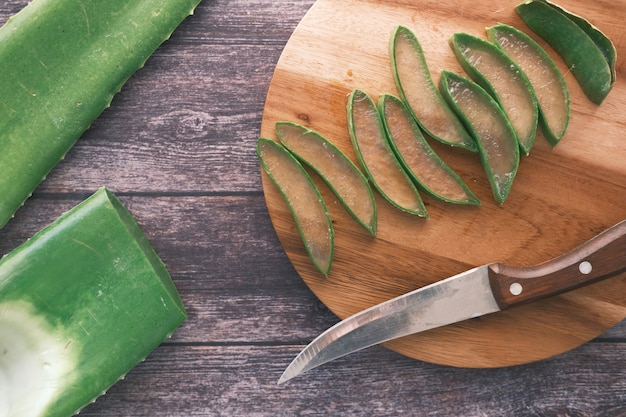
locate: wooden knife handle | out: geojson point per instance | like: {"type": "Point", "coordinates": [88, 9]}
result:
{"type": "Point", "coordinates": [599, 258]}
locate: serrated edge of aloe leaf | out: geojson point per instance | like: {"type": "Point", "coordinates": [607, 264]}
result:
{"type": "Point", "coordinates": [585, 69]}
{"type": "Point", "coordinates": [500, 198]}
{"type": "Point", "coordinates": [370, 227]}
{"type": "Point", "coordinates": [603, 42]}
{"type": "Point", "coordinates": [60, 99]}
{"type": "Point", "coordinates": [307, 177]}
{"type": "Point", "coordinates": [468, 142]}
{"type": "Point", "coordinates": [550, 136]}
{"type": "Point", "coordinates": [484, 82]}
{"type": "Point", "coordinates": [471, 200]}
{"type": "Point", "coordinates": [421, 212]}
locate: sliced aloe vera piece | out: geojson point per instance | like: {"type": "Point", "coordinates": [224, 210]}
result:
{"type": "Point", "coordinates": [303, 199]}
{"type": "Point", "coordinates": [490, 67]}
{"type": "Point", "coordinates": [417, 89]}
{"type": "Point", "coordinates": [547, 81]}
{"type": "Point", "coordinates": [605, 45]}
{"type": "Point", "coordinates": [340, 174]}
{"type": "Point", "coordinates": [376, 156]}
{"type": "Point", "coordinates": [81, 303]}
{"type": "Point", "coordinates": [497, 144]}
{"type": "Point", "coordinates": [419, 159]}
{"type": "Point", "coordinates": [589, 54]}
{"type": "Point", "coordinates": [61, 62]}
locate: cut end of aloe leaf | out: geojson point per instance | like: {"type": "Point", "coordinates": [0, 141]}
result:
{"type": "Point", "coordinates": [420, 161]}
{"type": "Point", "coordinates": [92, 300]}
{"type": "Point", "coordinates": [547, 81]}
{"type": "Point", "coordinates": [376, 156]}
{"type": "Point", "coordinates": [417, 89]}
{"type": "Point", "coordinates": [303, 199]}
{"type": "Point", "coordinates": [588, 53]}
{"type": "Point", "coordinates": [497, 144]}
{"type": "Point", "coordinates": [335, 168]}
{"type": "Point", "coordinates": [493, 70]}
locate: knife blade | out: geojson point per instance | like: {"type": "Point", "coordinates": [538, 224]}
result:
{"type": "Point", "coordinates": [479, 291]}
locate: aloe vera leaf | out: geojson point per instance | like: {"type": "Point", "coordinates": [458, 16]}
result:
{"type": "Point", "coordinates": [340, 174]}
{"type": "Point", "coordinates": [497, 144]}
{"type": "Point", "coordinates": [371, 145]}
{"type": "Point", "coordinates": [81, 303]}
{"type": "Point", "coordinates": [603, 43]}
{"type": "Point", "coordinates": [421, 162]}
{"type": "Point", "coordinates": [547, 81]}
{"type": "Point", "coordinates": [416, 87]}
{"type": "Point", "coordinates": [61, 62]}
{"type": "Point", "coordinates": [490, 67]}
{"type": "Point", "coordinates": [589, 54]}
{"type": "Point", "coordinates": [304, 200]}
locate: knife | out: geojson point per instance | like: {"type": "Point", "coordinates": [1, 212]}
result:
{"type": "Point", "coordinates": [483, 290]}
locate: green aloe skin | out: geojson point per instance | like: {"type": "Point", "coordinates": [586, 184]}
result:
{"type": "Point", "coordinates": [494, 71]}
{"type": "Point", "coordinates": [81, 303]}
{"type": "Point", "coordinates": [416, 87]}
{"type": "Point", "coordinates": [547, 81]}
{"type": "Point", "coordinates": [304, 200]}
{"type": "Point", "coordinates": [61, 62]}
{"type": "Point", "coordinates": [420, 161]}
{"type": "Point", "coordinates": [335, 168]}
{"type": "Point", "coordinates": [497, 144]}
{"type": "Point", "coordinates": [372, 148]}
{"type": "Point", "coordinates": [588, 53]}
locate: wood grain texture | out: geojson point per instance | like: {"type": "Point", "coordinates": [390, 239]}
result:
{"type": "Point", "coordinates": [561, 197]}
{"type": "Point", "coordinates": [177, 146]}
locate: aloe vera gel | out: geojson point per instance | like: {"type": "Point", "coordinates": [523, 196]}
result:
{"type": "Point", "coordinates": [81, 303]}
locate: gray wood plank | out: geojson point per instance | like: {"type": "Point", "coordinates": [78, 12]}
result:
{"type": "Point", "coordinates": [241, 381]}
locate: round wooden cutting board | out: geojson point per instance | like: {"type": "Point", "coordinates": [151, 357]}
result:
{"type": "Point", "coordinates": [561, 197]}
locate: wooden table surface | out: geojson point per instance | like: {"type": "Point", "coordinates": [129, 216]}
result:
{"type": "Point", "coordinates": [177, 147]}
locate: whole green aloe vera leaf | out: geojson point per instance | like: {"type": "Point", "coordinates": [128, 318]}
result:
{"type": "Point", "coordinates": [61, 63]}
{"type": "Point", "coordinates": [81, 303]}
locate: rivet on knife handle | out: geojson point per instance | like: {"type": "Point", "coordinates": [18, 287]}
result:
{"type": "Point", "coordinates": [598, 258]}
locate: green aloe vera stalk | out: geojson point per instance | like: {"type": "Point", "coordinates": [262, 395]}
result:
{"type": "Point", "coordinates": [498, 148]}
{"type": "Point", "coordinates": [547, 81]}
{"type": "Point", "coordinates": [420, 161]}
{"type": "Point", "coordinates": [376, 156]}
{"type": "Point", "coordinates": [303, 199]}
{"type": "Point", "coordinates": [490, 67]}
{"type": "Point", "coordinates": [603, 43]}
{"type": "Point", "coordinates": [81, 303]}
{"type": "Point", "coordinates": [589, 54]}
{"type": "Point", "coordinates": [417, 89]}
{"type": "Point", "coordinates": [61, 62]}
{"type": "Point", "coordinates": [335, 168]}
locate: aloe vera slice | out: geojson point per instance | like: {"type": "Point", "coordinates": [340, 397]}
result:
{"type": "Point", "coordinates": [376, 156]}
{"type": "Point", "coordinates": [61, 63]}
{"type": "Point", "coordinates": [303, 199]}
{"type": "Point", "coordinates": [335, 168]}
{"type": "Point", "coordinates": [490, 67]}
{"type": "Point", "coordinates": [547, 81]}
{"type": "Point", "coordinates": [589, 54]}
{"type": "Point", "coordinates": [417, 89]}
{"type": "Point", "coordinates": [497, 144]}
{"type": "Point", "coordinates": [419, 159]}
{"type": "Point", "coordinates": [81, 303]}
